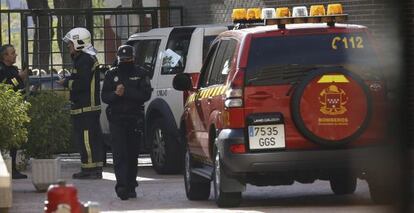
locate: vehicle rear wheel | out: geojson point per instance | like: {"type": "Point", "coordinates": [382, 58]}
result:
{"type": "Point", "coordinates": [196, 188]}
{"type": "Point", "coordinates": [165, 150]}
{"type": "Point", "coordinates": [343, 184]}
{"type": "Point", "coordinates": [223, 199]}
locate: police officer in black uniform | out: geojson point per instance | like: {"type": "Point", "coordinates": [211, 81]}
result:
{"type": "Point", "coordinates": [83, 84]}
{"type": "Point", "coordinates": [9, 74]}
{"type": "Point", "coordinates": [126, 87]}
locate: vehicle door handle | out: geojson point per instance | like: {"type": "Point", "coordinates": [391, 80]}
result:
{"type": "Point", "coordinates": [260, 95]}
{"type": "Point", "coordinates": [209, 99]}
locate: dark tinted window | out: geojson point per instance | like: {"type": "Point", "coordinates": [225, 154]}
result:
{"type": "Point", "coordinates": [222, 62]}
{"type": "Point", "coordinates": [146, 54]}
{"type": "Point", "coordinates": [178, 42]}
{"type": "Point", "coordinates": [206, 44]}
{"type": "Point", "coordinates": [217, 63]}
{"type": "Point", "coordinates": [284, 59]}
{"type": "Point", "coordinates": [206, 69]}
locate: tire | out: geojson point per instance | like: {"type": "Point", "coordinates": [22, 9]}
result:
{"type": "Point", "coordinates": [195, 187]}
{"type": "Point", "coordinates": [223, 199]}
{"type": "Point", "coordinates": [343, 185]}
{"type": "Point", "coordinates": [166, 151]}
{"type": "Point", "coordinates": [302, 123]}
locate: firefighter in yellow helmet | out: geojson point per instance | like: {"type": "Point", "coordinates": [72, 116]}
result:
{"type": "Point", "coordinates": [83, 84]}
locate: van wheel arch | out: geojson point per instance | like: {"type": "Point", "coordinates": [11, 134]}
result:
{"type": "Point", "coordinates": [158, 108]}
{"type": "Point", "coordinates": [167, 134]}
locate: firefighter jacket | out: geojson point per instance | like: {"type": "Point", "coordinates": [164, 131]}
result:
{"type": "Point", "coordinates": [83, 84]}
{"type": "Point", "coordinates": [10, 75]}
{"type": "Point", "coordinates": [137, 91]}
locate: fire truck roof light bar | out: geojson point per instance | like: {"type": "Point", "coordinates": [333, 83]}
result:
{"type": "Point", "coordinates": [282, 15]}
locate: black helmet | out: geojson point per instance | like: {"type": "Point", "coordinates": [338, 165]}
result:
{"type": "Point", "coordinates": [125, 52]}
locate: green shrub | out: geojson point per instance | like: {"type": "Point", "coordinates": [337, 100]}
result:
{"type": "Point", "coordinates": [50, 126]}
{"type": "Point", "coordinates": [13, 118]}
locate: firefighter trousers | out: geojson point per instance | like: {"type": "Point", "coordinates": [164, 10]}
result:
{"type": "Point", "coordinates": [125, 139]}
{"type": "Point", "coordinates": [88, 140]}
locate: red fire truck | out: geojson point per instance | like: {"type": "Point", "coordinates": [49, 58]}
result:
{"type": "Point", "coordinates": [299, 99]}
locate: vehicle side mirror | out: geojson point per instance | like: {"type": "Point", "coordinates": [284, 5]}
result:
{"type": "Point", "coordinates": [182, 82]}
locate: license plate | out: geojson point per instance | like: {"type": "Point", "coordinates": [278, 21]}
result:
{"type": "Point", "coordinates": [267, 136]}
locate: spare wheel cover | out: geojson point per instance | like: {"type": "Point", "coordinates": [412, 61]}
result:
{"type": "Point", "coordinates": [331, 106]}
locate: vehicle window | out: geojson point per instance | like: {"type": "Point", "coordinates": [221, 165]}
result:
{"type": "Point", "coordinates": [285, 59]}
{"type": "Point", "coordinates": [206, 69]}
{"type": "Point", "coordinates": [146, 54]}
{"type": "Point", "coordinates": [175, 54]}
{"type": "Point", "coordinates": [222, 62]}
{"type": "Point", "coordinates": [206, 44]}
{"type": "Point", "coordinates": [217, 64]}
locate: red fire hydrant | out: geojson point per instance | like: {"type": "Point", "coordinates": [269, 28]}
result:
{"type": "Point", "coordinates": [62, 197]}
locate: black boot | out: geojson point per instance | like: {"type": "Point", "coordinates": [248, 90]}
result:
{"type": "Point", "coordinates": [122, 193]}
{"type": "Point", "coordinates": [132, 194]}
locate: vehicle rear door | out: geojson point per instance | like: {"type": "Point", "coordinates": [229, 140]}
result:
{"type": "Point", "coordinates": [199, 108]}
{"type": "Point", "coordinates": [222, 64]}
{"type": "Point", "coordinates": [177, 44]}
{"type": "Point", "coordinates": [146, 55]}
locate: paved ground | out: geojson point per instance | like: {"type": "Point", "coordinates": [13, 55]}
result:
{"type": "Point", "coordinates": [166, 194]}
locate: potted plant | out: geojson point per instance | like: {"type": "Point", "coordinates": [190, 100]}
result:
{"type": "Point", "coordinates": [13, 117]}
{"type": "Point", "coordinates": [49, 134]}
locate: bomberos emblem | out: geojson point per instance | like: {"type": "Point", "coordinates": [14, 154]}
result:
{"type": "Point", "coordinates": [333, 100]}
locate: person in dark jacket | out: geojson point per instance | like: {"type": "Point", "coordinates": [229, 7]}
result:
{"type": "Point", "coordinates": [83, 84]}
{"type": "Point", "coordinates": [126, 88]}
{"type": "Point", "coordinates": [9, 74]}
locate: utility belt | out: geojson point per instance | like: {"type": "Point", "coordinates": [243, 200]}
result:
{"type": "Point", "coordinates": [85, 109]}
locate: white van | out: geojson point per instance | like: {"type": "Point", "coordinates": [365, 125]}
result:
{"type": "Point", "coordinates": [166, 52]}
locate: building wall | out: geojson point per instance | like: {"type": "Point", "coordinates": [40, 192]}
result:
{"type": "Point", "coordinates": [372, 13]}
{"type": "Point", "coordinates": [211, 11]}
{"type": "Point", "coordinates": [378, 15]}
